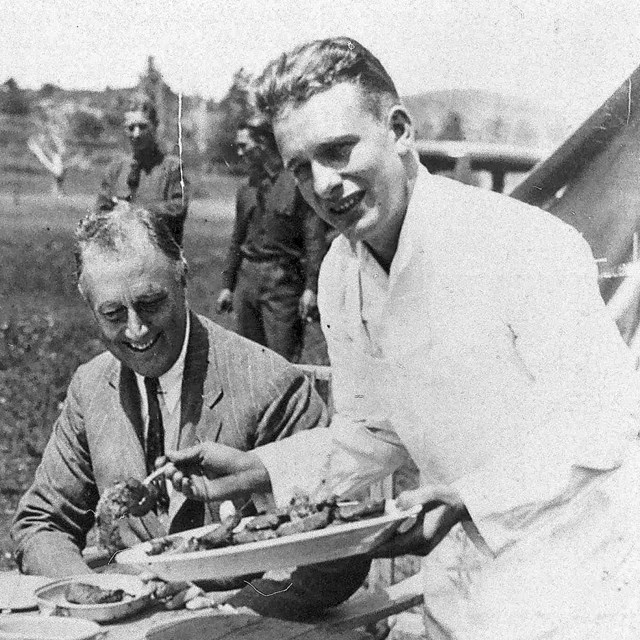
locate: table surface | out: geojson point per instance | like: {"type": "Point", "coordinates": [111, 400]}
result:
{"type": "Point", "coordinates": [203, 625]}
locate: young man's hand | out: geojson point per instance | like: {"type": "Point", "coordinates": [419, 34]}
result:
{"type": "Point", "coordinates": [307, 305]}
{"type": "Point", "coordinates": [443, 508]}
{"type": "Point", "coordinates": [211, 471]}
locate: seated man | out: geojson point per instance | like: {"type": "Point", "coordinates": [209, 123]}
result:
{"type": "Point", "coordinates": [170, 378]}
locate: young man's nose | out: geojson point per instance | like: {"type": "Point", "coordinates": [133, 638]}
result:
{"type": "Point", "coordinates": [135, 131]}
{"type": "Point", "coordinates": [325, 180]}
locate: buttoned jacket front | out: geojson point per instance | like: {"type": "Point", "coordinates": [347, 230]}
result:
{"type": "Point", "coordinates": [234, 392]}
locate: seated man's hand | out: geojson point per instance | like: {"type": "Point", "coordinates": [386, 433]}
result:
{"type": "Point", "coordinates": [134, 530]}
{"type": "Point", "coordinates": [443, 508]}
{"type": "Point", "coordinates": [211, 472]}
{"type": "Point", "coordinates": [173, 595]}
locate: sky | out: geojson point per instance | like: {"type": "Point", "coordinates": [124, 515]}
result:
{"type": "Point", "coordinates": [571, 54]}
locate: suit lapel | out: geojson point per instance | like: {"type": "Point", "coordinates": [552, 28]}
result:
{"type": "Point", "coordinates": [130, 401]}
{"type": "Point", "coordinates": [124, 429]}
{"type": "Point", "coordinates": [201, 389]}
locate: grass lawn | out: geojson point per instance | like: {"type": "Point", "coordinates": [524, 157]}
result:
{"type": "Point", "coordinates": [45, 330]}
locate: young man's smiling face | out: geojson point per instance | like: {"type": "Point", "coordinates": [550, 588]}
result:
{"type": "Point", "coordinates": [349, 164]}
{"type": "Point", "coordinates": [140, 131]}
{"type": "Point", "coordinates": [138, 301]}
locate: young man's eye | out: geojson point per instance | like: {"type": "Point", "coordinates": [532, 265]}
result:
{"type": "Point", "coordinates": [114, 315]}
{"type": "Point", "coordinates": [301, 171]}
{"type": "Point", "coordinates": [339, 152]}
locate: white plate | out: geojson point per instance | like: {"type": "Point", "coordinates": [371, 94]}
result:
{"type": "Point", "coordinates": [17, 592]}
{"type": "Point", "coordinates": [22, 627]}
{"type": "Point", "coordinates": [336, 541]}
{"type": "Point", "coordinates": [52, 600]}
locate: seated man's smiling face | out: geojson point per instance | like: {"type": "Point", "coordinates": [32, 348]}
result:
{"type": "Point", "coordinates": [138, 300]}
{"type": "Point", "coordinates": [348, 163]}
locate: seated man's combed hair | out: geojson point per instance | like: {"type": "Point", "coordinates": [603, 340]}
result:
{"type": "Point", "coordinates": [107, 229]}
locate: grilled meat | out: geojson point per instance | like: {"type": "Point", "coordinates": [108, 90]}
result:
{"type": "Point", "coordinates": [366, 509]}
{"type": "Point", "coordinates": [81, 593]}
{"type": "Point", "coordinates": [123, 499]}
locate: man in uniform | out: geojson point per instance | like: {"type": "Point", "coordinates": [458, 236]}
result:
{"type": "Point", "coordinates": [150, 178]}
{"type": "Point", "coordinates": [271, 271]}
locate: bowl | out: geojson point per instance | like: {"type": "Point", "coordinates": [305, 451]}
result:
{"type": "Point", "coordinates": [52, 601]}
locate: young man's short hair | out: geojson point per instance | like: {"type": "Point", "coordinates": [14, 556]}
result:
{"type": "Point", "coordinates": [140, 102]}
{"type": "Point", "coordinates": [294, 77]}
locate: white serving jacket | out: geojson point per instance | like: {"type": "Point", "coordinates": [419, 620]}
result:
{"type": "Point", "coordinates": [488, 356]}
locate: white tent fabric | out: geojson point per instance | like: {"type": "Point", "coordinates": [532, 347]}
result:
{"type": "Point", "coordinates": [592, 181]}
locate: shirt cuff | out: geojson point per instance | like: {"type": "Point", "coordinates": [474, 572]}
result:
{"type": "Point", "coordinates": [301, 471]}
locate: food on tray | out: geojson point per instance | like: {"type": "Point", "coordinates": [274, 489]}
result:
{"type": "Point", "coordinates": [300, 516]}
{"type": "Point", "coordinates": [244, 536]}
{"type": "Point", "coordinates": [82, 593]}
{"type": "Point", "coordinates": [359, 510]}
{"type": "Point", "coordinates": [119, 501]}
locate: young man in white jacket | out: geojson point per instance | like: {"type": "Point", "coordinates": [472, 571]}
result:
{"type": "Point", "coordinates": [465, 330]}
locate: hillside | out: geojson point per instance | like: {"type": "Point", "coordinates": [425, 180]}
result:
{"type": "Point", "coordinates": [455, 114]}
{"type": "Point", "coordinates": [480, 116]}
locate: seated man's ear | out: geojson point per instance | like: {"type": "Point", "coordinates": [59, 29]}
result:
{"type": "Point", "coordinates": [402, 126]}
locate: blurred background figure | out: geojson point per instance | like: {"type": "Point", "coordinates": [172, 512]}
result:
{"type": "Point", "coordinates": [151, 178]}
{"type": "Point", "coordinates": [270, 275]}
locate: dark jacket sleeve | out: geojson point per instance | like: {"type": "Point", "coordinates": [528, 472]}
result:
{"type": "Point", "coordinates": [172, 203]}
{"type": "Point", "coordinates": [176, 190]}
{"type": "Point", "coordinates": [246, 200]}
{"type": "Point", "coordinates": [107, 193]}
{"type": "Point", "coordinates": [295, 406]}
{"type": "Point", "coordinates": [54, 516]}
{"type": "Point", "coordinates": [310, 591]}
{"type": "Point", "coordinates": [315, 244]}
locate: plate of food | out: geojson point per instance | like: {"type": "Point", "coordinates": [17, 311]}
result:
{"type": "Point", "coordinates": [101, 597]}
{"type": "Point", "coordinates": [303, 533]}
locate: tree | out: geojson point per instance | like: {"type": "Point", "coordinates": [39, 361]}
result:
{"type": "Point", "coordinates": [13, 100]}
{"type": "Point", "coordinates": [153, 85]}
{"type": "Point", "coordinates": [230, 111]}
{"type": "Point", "coordinates": [86, 125]}
{"type": "Point", "coordinates": [452, 127]}
{"type": "Point", "coordinates": [63, 138]}
{"type": "Point", "coordinates": [48, 89]}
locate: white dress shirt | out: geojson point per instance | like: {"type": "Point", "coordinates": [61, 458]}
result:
{"type": "Point", "coordinates": [488, 356]}
{"type": "Point", "coordinates": [169, 394]}
{"type": "Point", "coordinates": [169, 398]}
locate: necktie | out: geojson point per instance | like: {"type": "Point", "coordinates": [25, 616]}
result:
{"type": "Point", "coordinates": [155, 437]}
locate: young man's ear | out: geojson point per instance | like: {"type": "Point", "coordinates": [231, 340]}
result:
{"type": "Point", "coordinates": [402, 126]}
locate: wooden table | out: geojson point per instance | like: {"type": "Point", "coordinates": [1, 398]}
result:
{"type": "Point", "coordinates": [202, 625]}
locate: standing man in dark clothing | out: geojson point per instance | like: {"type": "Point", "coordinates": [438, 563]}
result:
{"type": "Point", "coordinates": [151, 178]}
{"type": "Point", "coordinates": [271, 270]}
